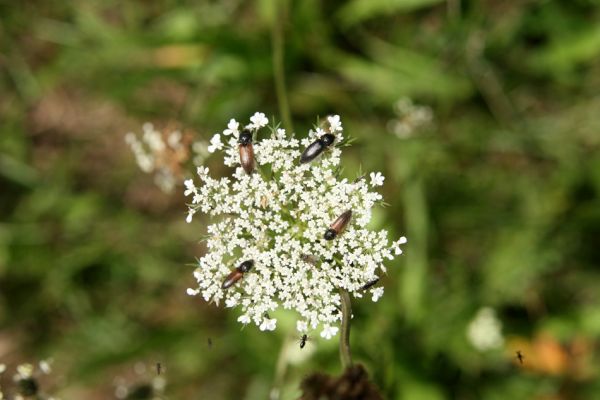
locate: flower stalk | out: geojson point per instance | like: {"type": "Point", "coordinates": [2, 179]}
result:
{"type": "Point", "coordinates": [278, 65]}
{"type": "Point", "coordinates": [345, 354]}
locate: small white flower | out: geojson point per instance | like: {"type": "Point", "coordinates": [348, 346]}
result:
{"type": "Point", "coordinates": [231, 302]}
{"type": "Point", "coordinates": [202, 171]}
{"type": "Point", "coordinates": [232, 128]}
{"type": "Point", "coordinates": [485, 330]}
{"type": "Point", "coordinates": [174, 140]}
{"type": "Point", "coordinates": [259, 120]}
{"type": "Point", "coordinates": [46, 366]}
{"type": "Point", "coordinates": [24, 371]}
{"type": "Point", "coordinates": [189, 187]}
{"type": "Point", "coordinates": [280, 134]}
{"type": "Point", "coordinates": [2, 368]}
{"type": "Point", "coordinates": [268, 324]}
{"type": "Point", "coordinates": [377, 293]}
{"type": "Point", "coordinates": [301, 326]}
{"type": "Point", "coordinates": [335, 123]}
{"type": "Point", "coordinates": [215, 143]}
{"type": "Point", "coordinates": [329, 331]}
{"type": "Point", "coordinates": [396, 245]}
{"type": "Point", "coordinates": [191, 213]}
{"type": "Point", "coordinates": [244, 319]}
{"type": "Point", "coordinates": [376, 178]}
{"type": "Point", "coordinates": [192, 292]}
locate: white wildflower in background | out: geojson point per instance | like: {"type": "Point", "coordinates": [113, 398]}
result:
{"type": "Point", "coordinates": [485, 330]}
{"type": "Point", "coordinates": [46, 366]}
{"type": "Point", "coordinates": [26, 383]}
{"type": "Point", "coordinates": [410, 118]}
{"type": "Point", "coordinates": [215, 143]}
{"type": "Point", "coordinates": [277, 217]}
{"type": "Point", "coordinates": [163, 153]}
{"type": "Point", "coordinates": [150, 382]}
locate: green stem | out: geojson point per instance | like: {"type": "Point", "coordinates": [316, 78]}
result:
{"type": "Point", "coordinates": [345, 354]}
{"type": "Point", "coordinates": [278, 68]}
{"type": "Point", "coordinates": [280, 369]}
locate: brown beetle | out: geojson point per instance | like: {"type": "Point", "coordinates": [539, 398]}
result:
{"type": "Point", "coordinates": [338, 225]}
{"type": "Point", "coordinates": [237, 274]}
{"type": "Point", "coordinates": [246, 151]}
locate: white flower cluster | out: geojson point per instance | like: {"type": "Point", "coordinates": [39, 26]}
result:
{"type": "Point", "coordinates": [163, 153]}
{"type": "Point", "coordinates": [26, 381]}
{"type": "Point", "coordinates": [277, 217]}
{"type": "Point", "coordinates": [411, 118]}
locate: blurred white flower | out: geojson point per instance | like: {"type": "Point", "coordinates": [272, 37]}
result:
{"type": "Point", "coordinates": [301, 326]}
{"type": "Point", "coordinates": [329, 331]}
{"type": "Point", "coordinates": [268, 324]}
{"type": "Point", "coordinates": [24, 371]}
{"type": "Point", "coordinates": [258, 120]}
{"type": "Point", "coordinates": [232, 128]}
{"type": "Point", "coordinates": [215, 143]}
{"type": "Point", "coordinates": [163, 154]}
{"type": "Point", "coordinates": [377, 293]}
{"type": "Point", "coordinates": [46, 366]}
{"type": "Point", "coordinates": [174, 140]}
{"type": "Point", "coordinates": [376, 179]}
{"type": "Point", "coordinates": [190, 215]}
{"type": "Point", "coordinates": [485, 330]}
{"type": "Point", "coordinates": [335, 123]}
{"type": "Point", "coordinates": [278, 220]}
{"type": "Point", "coordinates": [396, 245]}
{"type": "Point", "coordinates": [410, 118]}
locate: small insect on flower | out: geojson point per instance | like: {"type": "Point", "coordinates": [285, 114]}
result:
{"type": "Point", "coordinates": [309, 258]}
{"type": "Point", "coordinates": [316, 148]}
{"type": "Point", "coordinates": [303, 340]}
{"type": "Point", "coordinates": [246, 151]}
{"type": "Point", "coordinates": [237, 274]}
{"type": "Point", "coordinates": [370, 284]}
{"type": "Point", "coordinates": [338, 225]}
{"type": "Point", "coordinates": [158, 368]}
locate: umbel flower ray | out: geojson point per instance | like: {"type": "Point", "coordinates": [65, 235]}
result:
{"type": "Point", "coordinates": [277, 217]}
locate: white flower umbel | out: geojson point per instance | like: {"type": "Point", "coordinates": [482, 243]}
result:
{"type": "Point", "coordinates": [164, 153]}
{"type": "Point", "coordinates": [277, 217]}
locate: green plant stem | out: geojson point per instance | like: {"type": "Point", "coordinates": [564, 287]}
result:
{"type": "Point", "coordinates": [280, 369]}
{"type": "Point", "coordinates": [278, 67]}
{"type": "Point", "coordinates": [345, 354]}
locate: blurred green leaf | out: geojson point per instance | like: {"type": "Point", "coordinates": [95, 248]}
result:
{"type": "Point", "coordinates": [356, 11]}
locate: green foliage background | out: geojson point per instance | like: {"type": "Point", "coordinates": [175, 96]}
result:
{"type": "Point", "coordinates": [499, 198]}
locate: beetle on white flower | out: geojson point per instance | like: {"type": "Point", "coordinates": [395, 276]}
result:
{"type": "Point", "coordinates": [276, 217]}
